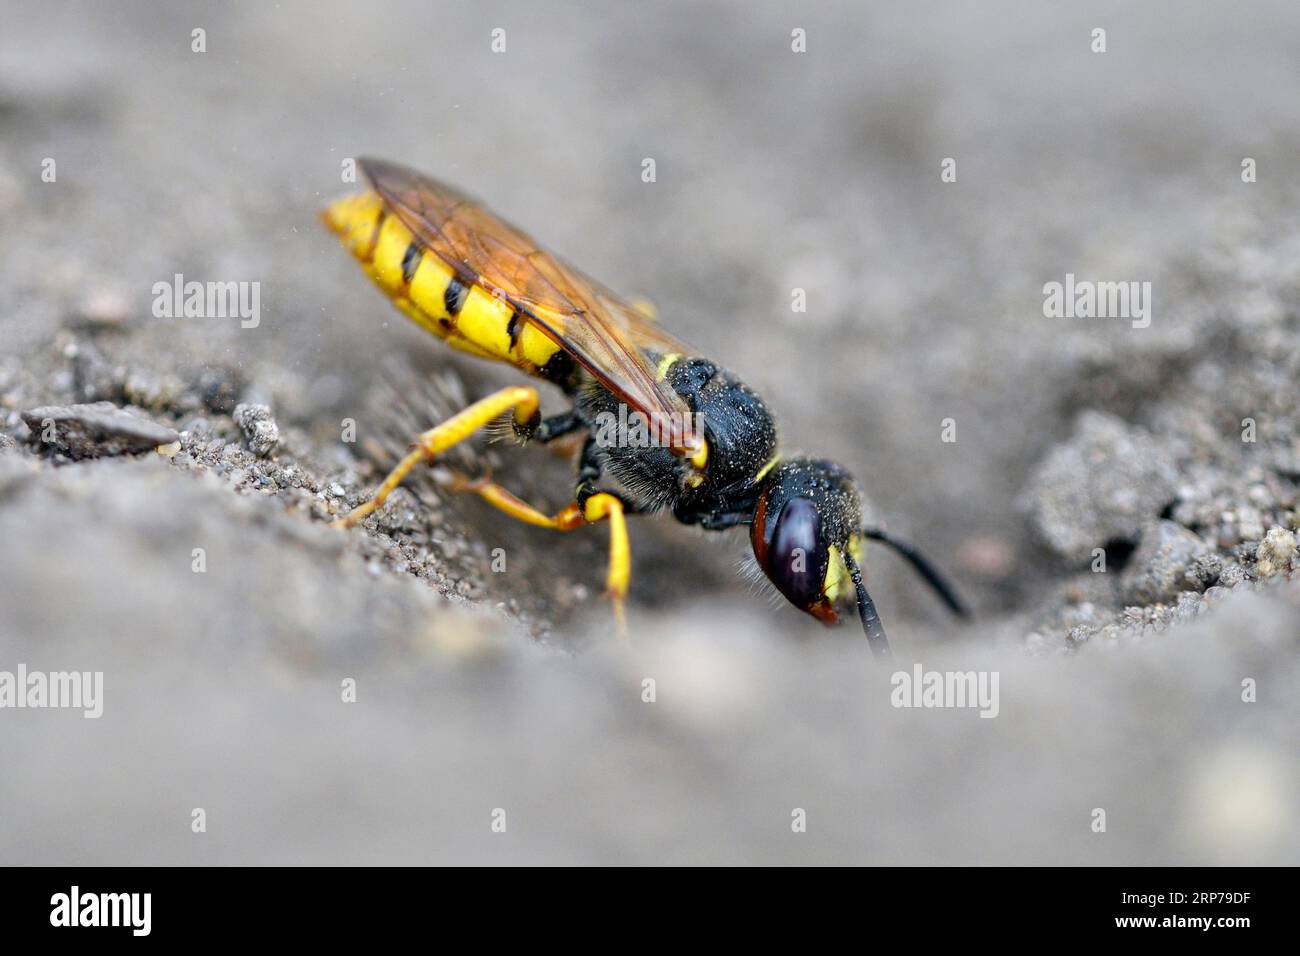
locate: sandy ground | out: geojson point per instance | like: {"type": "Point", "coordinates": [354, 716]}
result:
{"type": "Point", "coordinates": [479, 690]}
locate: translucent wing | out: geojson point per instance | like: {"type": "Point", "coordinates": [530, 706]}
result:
{"type": "Point", "coordinates": [603, 333]}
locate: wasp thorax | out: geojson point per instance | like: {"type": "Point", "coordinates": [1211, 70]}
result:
{"type": "Point", "coordinates": [741, 435]}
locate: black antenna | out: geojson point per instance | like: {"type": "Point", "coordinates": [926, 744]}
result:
{"type": "Point", "coordinates": [941, 585]}
{"type": "Point", "coordinates": [875, 631]}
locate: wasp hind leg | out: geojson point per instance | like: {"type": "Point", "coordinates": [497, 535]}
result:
{"type": "Point", "coordinates": [522, 399]}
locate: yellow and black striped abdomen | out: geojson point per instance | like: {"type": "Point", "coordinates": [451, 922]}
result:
{"type": "Point", "coordinates": [424, 287]}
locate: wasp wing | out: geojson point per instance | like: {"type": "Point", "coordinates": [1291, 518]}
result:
{"type": "Point", "coordinates": [603, 333]}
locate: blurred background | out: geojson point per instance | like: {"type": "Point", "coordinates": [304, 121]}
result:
{"type": "Point", "coordinates": [775, 170]}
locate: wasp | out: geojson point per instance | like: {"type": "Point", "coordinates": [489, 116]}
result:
{"type": "Point", "coordinates": [710, 454]}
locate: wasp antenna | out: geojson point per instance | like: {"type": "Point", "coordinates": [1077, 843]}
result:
{"type": "Point", "coordinates": [941, 585]}
{"type": "Point", "coordinates": [871, 625]}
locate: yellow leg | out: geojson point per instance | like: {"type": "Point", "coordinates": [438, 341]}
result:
{"type": "Point", "coordinates": [451, 432]}
{"type": "Point", "coordinates": [564, 520]}
{"type": "Point", "coordinates": [600, 507]}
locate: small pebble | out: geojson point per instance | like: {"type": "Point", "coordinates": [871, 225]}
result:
{"type": "Point", "coordinates": [259, 428]}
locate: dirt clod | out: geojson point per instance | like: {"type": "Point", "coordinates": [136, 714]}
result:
{"type": "Point", "coordinates": [1158, 569]}
{"type": "Point", "coordinates": [1100, 485]}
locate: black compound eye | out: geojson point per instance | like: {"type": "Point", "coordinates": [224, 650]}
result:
{"type": "Point", "coordinates": [797, 556]}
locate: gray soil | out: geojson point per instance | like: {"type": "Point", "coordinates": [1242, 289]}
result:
{"type": "Point", "coordinates": [1119, 505]}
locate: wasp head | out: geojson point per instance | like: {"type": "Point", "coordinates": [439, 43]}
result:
{"type": "Point", "coordinates": [805, 524]}
{"type": "Point", "coordinates": [807, 537]}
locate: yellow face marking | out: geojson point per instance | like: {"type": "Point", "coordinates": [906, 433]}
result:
{"type": "Point", "coordinates": [838, 580]}
{"type": "Point", "coordinates": [837, 575]}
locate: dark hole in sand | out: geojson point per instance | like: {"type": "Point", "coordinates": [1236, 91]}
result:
{"type": "Point", "coordinates": [1118, 552]}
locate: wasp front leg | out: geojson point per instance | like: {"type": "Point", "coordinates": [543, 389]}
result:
{"type": "Point", "coordinates": [600, 506]}
{"type": "Point", "coordinates": [604, 506]}
{"type": "Point", "coordinates": [451, 432]}
{"type": "Point", "coordinates": [591, 506]}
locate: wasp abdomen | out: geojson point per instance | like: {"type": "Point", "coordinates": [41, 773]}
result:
{"type": "Point", "coordinates": [430, 292]}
